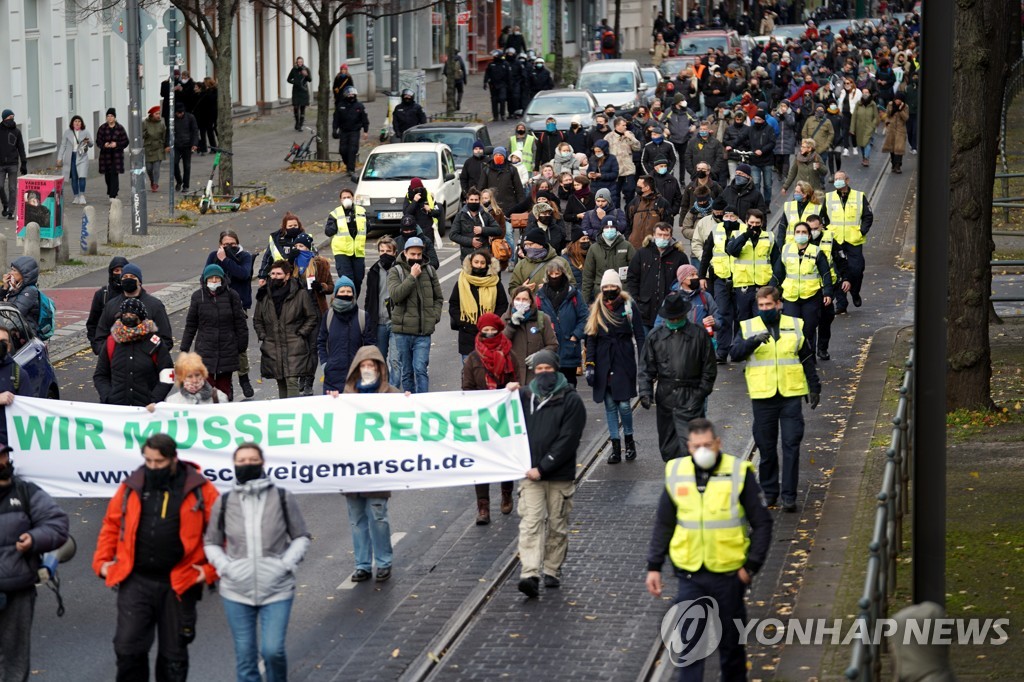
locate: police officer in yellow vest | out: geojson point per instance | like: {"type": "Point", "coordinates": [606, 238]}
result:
{"type": "Point", "coordinates": [797, 210]}
{"type": "Point", "coordinates": [701, 523]}
{"type": "Point", "coordinates": [848, 215]}
{"type": "Point", "coordinates": [524, 143]}
{"type": "Point", "coordinates": [346, 226]}
{"type": "Point", "coordinates": [716, 270]}
{"type": "Point", "coordinates": [825, 241]}
{"type": "Point", "coordinates": [780, 373]}
{"type": "Point", "coordinates": [806, 278]}
{"type": "Point", "coordinates": [755, 255]}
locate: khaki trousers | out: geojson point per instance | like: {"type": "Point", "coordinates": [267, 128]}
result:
{"type": "Point", "coordinates": [540, 502]}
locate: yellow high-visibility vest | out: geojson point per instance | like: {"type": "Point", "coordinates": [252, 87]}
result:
{"type": "Point", "coordinates": [343, 243]}
{"type": "Point", "coordinates": [753, 265]}
{"type": "Point", "coordinates": [775, 366]}
{"type": "Point", "coordinates": [794, 215]}
{"type": "Point", "coordinates": [710, 526]}
{"type": "Point", "coordinates": [802, 278]}
{"type": "Point", "coordinates": [526, 149]}
{"type": "Point", "coordinates": [844, 221]}
{"type": "Point", "coordinates": [720, 260]}
{"type": "Point", "coordinates": [825, 246]}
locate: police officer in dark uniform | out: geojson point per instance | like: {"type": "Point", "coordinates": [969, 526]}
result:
{"type": "Point", "coordinates": [540, 78]}
{"type": "Point", "coordinates": [516, 82]}
{"type": "Point", "coordinates": [349, 117]}
{"type": "Point", "coordinates": [407, 114]}
{"type": "Point", "coordinates": [497, 77]}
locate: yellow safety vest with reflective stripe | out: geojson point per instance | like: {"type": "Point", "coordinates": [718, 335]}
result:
{"type": "Point", "coordinates": [720, 260]}
{"type": "Point", "coordinates": [844, 221]}
{"type": "Point", "coordinates": [802, 278]}
{"type": "Point", "coordinates": [342, 243]}
{"type": "Point", "coordinates": [711, 529]}
{"type": "Point", "coordinates": [753, 265]}
{"type": "Point", "coordinates": [774, 367]}
{"type": "Point", "coordinates": [794, 215]}
{"type": "Point", "coordinates": [825, 246]}
{"type": "Point", "coordinates": [526, 149]}
{"type": "Point", "coordinates": [274, 251]}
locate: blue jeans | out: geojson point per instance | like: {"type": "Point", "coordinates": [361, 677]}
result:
{"type": "Point", "coordinates": [273, 620]}
{"type": "Point", "coordinates": [510, 237]}
{"type": "Point", "coordinates": [615, 411]}
{"type": "Point", "coordinates": [866, 150]}
{"type": "Point", "coordinates": [414, 358]}
{"type": "Point", "coordinates": [77, 182]}
{"type": "Point", "coordinates": [371, 531]}
{"type": "Point", "coordinates": [386, 346]}
{"type": "Point", "coordinates": [762, 178]}
{"type": "Point", "coordinates": [353, 267]}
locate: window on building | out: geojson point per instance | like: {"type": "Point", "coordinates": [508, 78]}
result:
{"type": "Point", "coordinates": [355, 38]}
{"type": "Point", "coordinates": [35, 130]}
{"type": "Point", "coordinates": [570, 22]}
{"type": "Point", "coordinates": [436, 37]}
{"type": "Point", "coordinates": [70, 16]}
{"type": "Point", "coordinates": [31, 9]}
{"type": "Point", "coordinates": [108, 76]}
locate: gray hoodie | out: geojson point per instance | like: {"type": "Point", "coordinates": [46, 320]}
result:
{"type": "Point", "coordinates": [256, 551]}
{"type": "Point", "coordinates": [26, 297]}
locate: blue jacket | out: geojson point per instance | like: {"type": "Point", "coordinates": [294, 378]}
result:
{"type": "Point", "coordinates": [569, 321]}
{"type": "Point", "coordinates": [337, 344]}
{"type": "Point", "coordinates": [608, 167]}
{"type": "Point", "coordinates": [239, 271]}
{"type": "Point", "coordinates": [46, 522]}
{"type": "Point", "coordinates": [593, 225]}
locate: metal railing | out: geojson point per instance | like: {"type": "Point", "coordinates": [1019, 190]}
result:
{"type": "Point", "coordinates": [887, 536]}
{"type": "Point", "coordinates": [1014, 86]}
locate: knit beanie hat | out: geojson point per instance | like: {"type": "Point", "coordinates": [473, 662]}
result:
{"type": "Point", "coordinates": [490, 320]}
{"type": "Point", "coordinates": [611, 278]}
{"type": "Point", "coordinates": [603, 193]}
{"type": "Point", "coordinates": [344, 281]}
{"type": "Point", "coordinates": [537, 236]}
{"type": "Point", "coordinates": [211, 270]}
{"type": "Point", "coordinates": [134, 306]}
{"type": "Point", "coordinates": [132, 269]}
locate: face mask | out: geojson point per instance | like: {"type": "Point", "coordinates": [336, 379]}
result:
{"type": "Point", "coordinates": [769, 316]}
{"type": "Point", "coordinates": [158, 478]}
{"type": "Point", "coordinates": [4, 348]}
{"type": "Point", "coordinates": [7, 471]}
{"type": "Point", "coordinates": [544, 220]}
{"type": "Point", "coordinates": [414, 261]}
{"type": "Point", "coordinates": [705, 457]}
{"type": "Point", "coordinates": [815, 233]}
{"type": "Point", "coordinates": [345, 297]}
{"type": "Point", "coordinates": [839, 184]}
{"type": "Point", "coordinates": [661, 170]}
{"type": "Point", "coordinates": [610, 294]}
{"type": "Point", "coordinates": [704, 134]}
{"type": "Point", "coordinates": [479, 272]}
{"type": "Point", "coordinates": [801, 238]}
{"type": "Point", "coordinates": [546, 382]}
{"type": "Point", "coordinates": [609, 234]}
{"type": "Point", "coordinates": [248, 472]}
{"type": "Point", "coordinates": [731, 224]}
{"type": "Point", "coordinates": [675, 324]}
{"type": "Point", "coordinates": [584, 246]}
{"type": "Point", "coordinates": [130, 320]}
{"type": "Point", "coordinates": [278, 283]}
{"type": "Point", "coordinates": [346, 202]}
{"type": "Point", "coordinates": [656, 140]}
{"type": "Point", "coordinates": [499, 159]}
{"type": "Point", "coordinates": [232, 250]}
{"type": "Point", "coordinates": [473, 207]}
{"type": "Point", "coordinates": [293, 232]}
{"type": "Point", "coordinates": [521, 132]}
{"type": "Point", "coordinates": [536, 252]}
{"type": "Point", "coordinates": [478, 153]}
{"type": "Point", "coordinates": [522, 306]}
{"type": "Point", "coordinates": [741, 180]}
{"type": "Point", "coordinates": [213, 286]}
{"type": "Point", "coordinates": [386, 260]}
{"type": "Point", "coordinates": [114, 282]}
{"type": "Point", "coordinates": [738, 123]}
{"type": "Point", "coordinates": [759, 125]}
{"type": "Point", "coordinates": [130, 285]}
{"type": "Point", "coordinates": [598, 154]}
{"type": "Point", "coordinates": [550, 127]}
{"type": "Point", "coordinates": [368, 376]}
{"type": "Point", "coordinates": [564, 155]}
{"type": "Point", "coordinates": [819, 114]}
{"type": "Point", "coordinates": [661, 243]}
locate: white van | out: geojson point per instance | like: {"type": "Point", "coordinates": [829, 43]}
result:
{"type": "Point", "coordinates": [384, 181]}
{"type": "Point", "coordinates": [614, 81]}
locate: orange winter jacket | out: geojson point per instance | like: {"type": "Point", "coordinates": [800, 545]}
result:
{"type": "Point", "coordinates": [121, 523]}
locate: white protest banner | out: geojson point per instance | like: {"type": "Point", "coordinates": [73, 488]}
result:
{"type": "Point", "coordinates": [352, 443]}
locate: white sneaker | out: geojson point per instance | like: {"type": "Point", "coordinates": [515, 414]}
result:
{"type": "Point", "coordinates": [913, 151]}
{"type": "Point", "coordinates": [846, 151]}
{"type": "Point", "coordinates": [855, 152]}
{"type": "Point", "coordinates": [81, 199]}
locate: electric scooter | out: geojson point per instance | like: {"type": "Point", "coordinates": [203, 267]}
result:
{"type": "Point", "coordinates": [209, 202]}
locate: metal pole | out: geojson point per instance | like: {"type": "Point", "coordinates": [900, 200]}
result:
{"type": "Point", "coordinates": [394, 48]}
{"type": "Point", "coordinates": [136, 160]}
{"type": "Point", "coordinates": [932, 288]}
{"type": "Point", "coordinates": [172, 50]}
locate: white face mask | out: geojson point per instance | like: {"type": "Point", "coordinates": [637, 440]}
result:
{"type": "Point", "coordinates": [815, 233]}
{"type": "Point", "coordinates": [213, 286]}
{"type": "Point", "coordinates": [522, 306]}
{"type": "Point", "coordinates": [368, 375]}
{"type": "Point", "coordinates": [705, 457]}
{"type": "Point", "coordinates": [346, 202]}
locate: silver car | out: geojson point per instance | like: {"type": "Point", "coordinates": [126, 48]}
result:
{"type": "Point", "coordinates": [564, 105]}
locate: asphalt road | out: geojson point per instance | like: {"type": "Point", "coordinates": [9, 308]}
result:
{"type": "Point", "coordinates": [327, 612]}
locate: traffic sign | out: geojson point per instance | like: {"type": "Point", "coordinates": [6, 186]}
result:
{"type": "Point", "coordinates": [173, 15]}
{"type": "Point", "coordinates": [146, 25]}
{"type": "Point", "coordinates": [173, 56]}
{"type": "Point", "coordinates": [462, 19]}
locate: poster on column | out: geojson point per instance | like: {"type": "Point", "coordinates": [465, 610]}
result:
{"type": "Point", "coordinates": [40, 202]}
{"type": "Point", "coordinates": [352, 443]}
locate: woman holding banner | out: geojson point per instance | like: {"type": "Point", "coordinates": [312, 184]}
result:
{"type": "Point", "coordinates": [491, 365]}
{"type": "Point", "coordinates": [134, 365]}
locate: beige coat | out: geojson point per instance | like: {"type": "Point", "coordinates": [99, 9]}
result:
{"type": "Point", "coordinates": [658, 53]}
{"type": "Point", "coordinates": [896, 129]}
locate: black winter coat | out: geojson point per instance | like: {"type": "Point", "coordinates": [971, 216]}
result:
{"type": "Point", "coordinates": [285, 349]}
{"type": "Point", "coordinates": [469, 176]}
{"type": "Point", "coordinates": [217, 324]}
{"type": "Point", "coordinates": [112, 311]}
{"type": "Point", "coordinates": [350, 117]}
{"type": "Point", "coordinates": [651, 275]}
{"type": "Point", "coordinates": [613, 354]}
{"type": "Point", "coordinates": [555, 429]}
{"type": "Point", "coordinates": [744, 198]}
{"type": "Point", "coordinates": [132, 376]}
{"type": "Point", "coordinates": [48, 526]}
{"type": "Point", "coordinates": [762, 138]}
{"type": "Point", "coordinates": [682, 362]}
{"type": "Point", "coordinates": [505, 184]}
{"type": "Point", "coordinates": [463, 226]}
{"type": "Point", "coordinates": [737, 137]}
{"type": "Point", "coordinates": [406, 115]}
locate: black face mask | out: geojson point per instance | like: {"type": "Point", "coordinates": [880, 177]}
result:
{"type": "Point", "coordinates": [7, 471]}
{"type": "Point", "coordinates": [293, 232]}
{"type": "Point", "coordinates": [130, 285]}
{"type": "Point", "coordinates": [610, 295]}
{"type": "Point", "coordinates": [278, 283]}
{"type": "Point", "coordinates": [731, 224]}
{"type": "Point", "coordinates": [479, 272]}
{"type": "Point", "coordinates": [4, 348]}
{"type": "Point", "coordinates": [546, 382]}
{"type": "Point", "coordinates": [585, 246]}
{"type": "Point", "coordinates": [114, 283]}
{"type": "Point", "coordinates": [409, 233]}
{"type": "Point", "coordinates": [557, 283]}
{"type": "Point", "coordinates": [473, 207]}
{"type": "Point", "coordinates": [386, 260]}
{"type": "Point", "coordinates": [248, 472]}
{"type": "Point", "coordinates": [544, 220]}
{"type": "Point", "coordinates": [520, 132]}
{"type": "Point", "coordinates": [345, 297]}
{"type": "Point", "coordinates": [702, 174]}
{"type": "Point", "coordinates": [414, 261]}
{"type": "Point", "coordinates": [231, 250]}
{"type": "Point", "coordinates": [693, 283]}
{"type": "Point", "coordinates": [158, 478]}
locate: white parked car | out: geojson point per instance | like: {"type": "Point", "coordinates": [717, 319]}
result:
{"type": "Point", "coordinates": [384, 182]}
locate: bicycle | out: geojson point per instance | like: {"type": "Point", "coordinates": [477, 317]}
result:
{"type": "Point", "coordinates": [208, 202]}
{"type": "Point", "coordinates": [304, 151]}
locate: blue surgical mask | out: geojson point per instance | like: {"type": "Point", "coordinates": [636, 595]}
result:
{"type": "Point", "coordinates": [798, 197]}
{"type": "Point", "coordinates": [662, 170]}
{"type": "Point", "coordinates": [550, 127]}
{"type": "Point", "coordinates": [839, 184]}
{"type": "Point", "coordinates": [801, 238]}
{"type": "Point", "coordinates": [661, 242]}
{"type": "Point", "coordinates": [769, 316]}
{"type": "Point", "coordinates": [610, 233]}
{"type": "Point", "coordinates": [741, 180]}
{"type": "Point", "coordinates": [656, 140]}
{"type": "Point", "coordinates": [704, 134]}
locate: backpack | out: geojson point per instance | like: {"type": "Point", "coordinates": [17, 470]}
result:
{"type": "Point", "coordinates": [360, 315]}
{"type": "Point", "coordinates": [282, 495]}
{"type": "Point", "coordinates": [608, 41]}
{"type": "Point", "coordinates": [459, 73]}
{"type": "Point", "coordinates": [47, 316]}
{"type": "Point", "coordinates": [501, 251]}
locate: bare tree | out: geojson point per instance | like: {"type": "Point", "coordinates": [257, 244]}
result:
{"type": "Point", "coordinates": [451, 36]}
{"type": "Point", "coordinates": [559, 43]}
{"type": "Point", "coordinates": [984, 33]}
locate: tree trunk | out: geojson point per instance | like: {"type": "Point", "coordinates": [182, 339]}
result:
{"type": "Point", "coordinates": [324, 93]}
{"type": "Point", "coordinates": [979, 76]}
{"type": "Point", "coordinates": [559, 42]}
{"type": "Point", "coordinates": [451, 33]}
{"type": "Point", "coordinates": [222, 69]}
{"type": "Point", "coordinates": [618, 19]}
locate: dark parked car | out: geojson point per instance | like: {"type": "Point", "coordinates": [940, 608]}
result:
{"type": "Point", "coordinates": [458, 136]}
{"type": "Point", "coordinates": [31, 353]}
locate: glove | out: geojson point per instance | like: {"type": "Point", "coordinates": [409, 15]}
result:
{"type": "Point", "coordinates": [814, 399]}
{"type": "Point", "coordinates": [485, 86]}
{"type": "Point", "coordinates": [517, 318]}
{"type": "Point", "coordinates": [529, 360]}
{"type": "Point", "coordinates": [589, 374]}
{"type": "Point", "coordinates": [645, 402]}
{"type": "Point", "coordinates": [761, 337]}
{"type": "Point", "coordinates": [336, 134]}
{"type": "Point", "coordinates": [24, 170]}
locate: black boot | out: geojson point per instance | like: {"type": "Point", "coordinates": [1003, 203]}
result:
{"type": "Point", "coordinates": [295, 113]}
{"type": "Point", "coordinates": [630, 447]}
{"type": "Point", "coordinates": [247, 392]}
{"type": "Point", "coordinates": [616, 455]}
{"type": "Point", "coordinates": [302, 121]}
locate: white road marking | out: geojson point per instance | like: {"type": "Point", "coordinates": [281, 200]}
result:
{"type": "Point", "coordinates": [348, 584]}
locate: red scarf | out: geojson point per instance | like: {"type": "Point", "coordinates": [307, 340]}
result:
{"type": "Point", "coordinates": [496, 354]}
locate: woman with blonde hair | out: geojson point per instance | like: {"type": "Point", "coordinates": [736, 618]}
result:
{"type": "Point", "coordinates": [193, 382]}
{"type": "Point", "coordinates": [615, 330]}
{"type": "Point", "coordinates": [477, 291]}
{"type": "Point", "coordinates": [806, 201]}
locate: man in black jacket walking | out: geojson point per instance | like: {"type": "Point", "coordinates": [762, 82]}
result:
{"type": "Point", "coordinates": [349, 117]}
{"type": "Point", "coordinates": [12, 159]}
{"type": "Point", "coordinates": [555, 418]}
{"type": "Point", "coordinates": [679, 356]}
{"type": "Point", "coordinates": [407, 114]}
{"type": "Point", "coordinates": [186, 141]}
{"type": "Point", "coordinates": [497, 76]}
{"type": "Point", "coordinates": [131, 287]}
